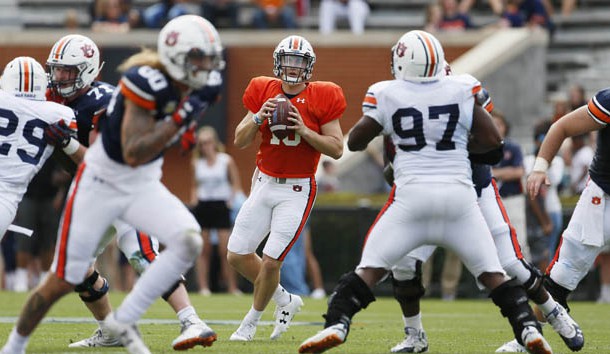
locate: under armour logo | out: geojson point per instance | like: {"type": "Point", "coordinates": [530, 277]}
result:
{"type": "Point", "coordinates": [284, 314]}
{"type": "Point", "coordinates": [259, 178]}
{"type": "Point", "coordinates": [596, 200]}
{"type": "Point", "coordinates": [300, 100]}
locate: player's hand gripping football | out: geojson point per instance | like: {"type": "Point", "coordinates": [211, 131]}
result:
{"type": "Point", "coordinates": [188, 110]}
{"type": "Point", "coordinates": [295, 117]}
{"type": "Point", "coordinates": [266, 110]}
{"type": "Point", "coordinates": [58, 134]}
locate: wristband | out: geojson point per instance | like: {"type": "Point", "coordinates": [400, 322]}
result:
{"type": "Point", "coordinates": [256, 119]}
{"type": "Point", "coordinates": [72, 147]}
{"type": "Point", "coordinates": [540, 165]}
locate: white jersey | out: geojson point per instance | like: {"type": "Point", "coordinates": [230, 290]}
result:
{"type": "Point", "coordinates": [213, 181]}
{"type": "Point", "coordinates": [429, 124]}
{"type": "Point", "coordinates": [23, 149]}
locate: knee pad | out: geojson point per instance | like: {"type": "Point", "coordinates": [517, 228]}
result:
{"type": "Point", "coordinates": [511, 298]}
{"type": "Point", "coordinates": [409, 290]}
{"type": "Point", "coordinates": [350, 295]}
{"type": "Point", "coordinates": [558, 292]}
{"type": "Point", "coordinates": [189, 244]}
{"type": "Point", "coordinates": [86, 290]}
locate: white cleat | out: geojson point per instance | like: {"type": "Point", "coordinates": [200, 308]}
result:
{"type": "Point", "coordinates": [511, 347]}
{"type": "Point", "coordinates": [100, 338]}
{"type": "Point", "coordinates": [244, 333]}
{"type": "Point", "coordinates": [128, 335]}
{"type": "Point", "coordinates": [534, 342]}
{"type": "Point", "coordinates": [327, 338]}
{"type": "Point", "coordinates": [567, 328]}
{"type": "Point", "coordinates": [415, 341]}
{"type": "Point", "coordinates": [194, 333]}
{"type": "Point", "coordinates": [284, 315]}
{"type": "Point", "coordinates": [5, 350]}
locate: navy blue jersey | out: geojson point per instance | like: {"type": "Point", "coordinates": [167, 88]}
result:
{"type": "Point", "coordinates": [599, 109]}
{"type": "Point", "coordinates": [148, 88]}
{"type": "Point", "coordinates": [89, 107]}
{"type": "Point", "coordinates": [152, 90]}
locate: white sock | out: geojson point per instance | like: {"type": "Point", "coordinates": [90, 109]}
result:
{"type": "Point", "coordinates": [253, 315]}
{"type": "Point", "coordinates": [187, 313]}
{"type": "Point", "coordinates": [16, 343]}
{"type": "Point", "coordinates": [281, 296]}
{"type": "Point", "coordinates": [547, 306]}
{"type": "Point", "coordinates": [159, 276]}
{"type": "Point", "coordinates": [413, 321]}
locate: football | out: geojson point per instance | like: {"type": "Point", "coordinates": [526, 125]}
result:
{"type": "Point", "coordinates": [279, 122]}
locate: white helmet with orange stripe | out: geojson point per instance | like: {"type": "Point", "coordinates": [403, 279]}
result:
{"type": "Point", "coordinates": [24, 77]}
{"type": "Point", "coordinates": [190, 49]}
{"type": "Point", "coordinates": [418, 56]}
{"type": "Point", "coordinates": [293, 60]}
{"type": "Point", "coordinates": [73, 64]}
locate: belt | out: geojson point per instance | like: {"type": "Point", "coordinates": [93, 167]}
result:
{"type": "Point", "coordinates": [279, 180]}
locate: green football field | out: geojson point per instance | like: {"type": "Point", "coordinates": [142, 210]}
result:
{"type": "Point", "coordinates": [462, 326]}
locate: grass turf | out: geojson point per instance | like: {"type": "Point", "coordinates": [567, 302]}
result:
{"type": "Point", "coordinates": [462, 326]}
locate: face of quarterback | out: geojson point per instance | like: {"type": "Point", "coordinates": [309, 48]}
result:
{"type": "Point", "coordinates": [294, 67]}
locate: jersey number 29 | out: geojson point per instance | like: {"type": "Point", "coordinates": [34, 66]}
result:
{"type": "Point", "coordinates": [28, 134]}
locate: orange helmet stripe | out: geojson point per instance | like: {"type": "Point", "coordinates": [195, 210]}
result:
{"type": "Point", "coordinates": [60, 47]}
{"type": "Point", "coordinates": [295, 43]}
{"type": "Point", "coordinates": [25, 67]}
{"type": "Point", "coordinates": [431, 53]}
{"type": "Point", "coordinates": [206, 29]}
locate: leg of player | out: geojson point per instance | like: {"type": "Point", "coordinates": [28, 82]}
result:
{"type": "Point", "coordinates": [511, 298]}
{"type": "Point", "coordinates": [264, 274]}
{"type": "Point", "coordinates": [352, 294]}
{"type": "Point", "coordinates": [408, 289]}
{"type": "Point", "coordinates": [37, 305]}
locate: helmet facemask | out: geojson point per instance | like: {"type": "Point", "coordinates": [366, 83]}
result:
{"type": "Point", "coordinates": [67, 80]}
{"type": "Point", "coordinates": [293, 68]}
{"type": "Point", "coordinates": [197, 66]}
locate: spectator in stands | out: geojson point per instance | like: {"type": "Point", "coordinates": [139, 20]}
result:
{"type": "Point", "coordinates": [520, 13]}
{"type": "Point", "coordinates": [327, 177]}
{"type": "Point", "coordinates": [434, 16]}
{"type": "Point", "coordinates": [582, 155]}
{"type": "Point", "coordinates": [356, 12]}
{"type": "Point", "coordinates": [216, 11]}
{"type": "Point", "coordinates": [275, 13]}
{"type": "Point", "coordinates": [455, 16]}
{"type": "Point", "coordinates": [109, 17]}
{"type": "Point", "coordinates": [71, 20]}
{"type": "Point", "coordinates": [576, 96]}
{"type": "Point", "coordinates": [508, 174]}
{"type": "Point", "coordinates": [157, 15]}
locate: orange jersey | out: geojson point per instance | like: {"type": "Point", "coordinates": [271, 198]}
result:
{"type": "Point", "coordinates": [320, 103]}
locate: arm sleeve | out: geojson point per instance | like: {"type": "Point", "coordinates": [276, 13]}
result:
{"type": "Point", "coordinates": [599, 107]}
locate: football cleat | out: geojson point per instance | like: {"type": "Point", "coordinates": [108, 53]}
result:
{"type": "Point", "coordinates": [327, 338]}
{"type": "Point", "coordinates": [284, 315]}
{"type": "Point", "coordinates": [100, 338]}
{"type": "Point", "coordinates": [194, 333]}
{"type": "Point", "coordinates": [244, 333]}
{"type": "Point", "coordinates": [511, 347]}
{"type": "Point", "coordinates": [128, 334]}
{"type": "Point", "coordinates": [415, 341]}
{"type": "Point", "coordinates": [534, 342]}
{"type": "Point", "coordinates": [567, 328]}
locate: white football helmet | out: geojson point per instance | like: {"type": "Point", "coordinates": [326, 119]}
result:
{"type": "Point", "coordinates": [418, 56]}
{"type": "Point", "coordinates": [293, 52]}
{"type": "Point", "coordinates": [24, 77]}
{"type": "Point", "coordinates": [186, 37]}
{"type": "Point", "coordinates": [73, 52]}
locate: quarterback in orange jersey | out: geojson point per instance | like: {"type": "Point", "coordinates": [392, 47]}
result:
{"type": "Point", "coordinates": [283, 186]}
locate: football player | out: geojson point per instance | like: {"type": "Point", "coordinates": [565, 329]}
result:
{"type": "Point", "coordinates": [120, 179]}
{"type": "Point", "coordinates": [434, 122]}
{"type": "Point", "coordinates": [406, 276]}
{"type": "Point", "coordinates": [283, 186]}
{"type": "Point", "coordinates": [73, 65]}
{"type": "Point", "coordinates": [26, 115]}
{"type": "Point", "coordinates": [587, 232]}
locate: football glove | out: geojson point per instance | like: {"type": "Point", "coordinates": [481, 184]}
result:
{"type": "Point", "coordinates": [188, 139]}
{"type": "Point", "coordinates": [189, 108]}
{"type": "Point", "coordinates": [58, 134]}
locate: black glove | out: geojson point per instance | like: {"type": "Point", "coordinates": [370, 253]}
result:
{"type": "Point", "coordinates": [58, 134]}
{"type": "Point", "coordinates": [188, 109]}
